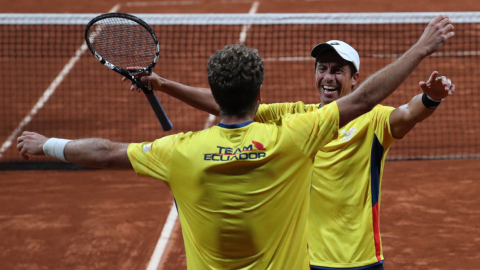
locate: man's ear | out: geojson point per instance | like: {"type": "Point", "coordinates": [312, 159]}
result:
{"type": "Point", "coordinates": [355, 78]}
{"type": "Point", "coordinates": [259, 98]}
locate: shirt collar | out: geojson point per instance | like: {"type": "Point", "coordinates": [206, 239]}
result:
{"type": "Point", "coordinates": [232, 126]}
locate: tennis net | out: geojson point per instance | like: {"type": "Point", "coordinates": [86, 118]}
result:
{"type": "Point", "coordinates": [54, 86]}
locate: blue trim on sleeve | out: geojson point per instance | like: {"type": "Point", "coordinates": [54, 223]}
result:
{"type": "Point", "coordinates": [313, 267]}
{"type": "Point", "coordinates": [234, 125]}
{"type": "Point", "coordinates": [176, 205]}
{"type": "Point", "coordinates": [375, 167]}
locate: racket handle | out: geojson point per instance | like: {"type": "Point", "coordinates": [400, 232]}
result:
{"type": "Point", "coordinates": [159, 112]}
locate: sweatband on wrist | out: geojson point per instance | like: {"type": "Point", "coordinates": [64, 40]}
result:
{"type": "Point", "coordinates": [430, 102]}
{"type": "Point", "coordinates": [55, 148]}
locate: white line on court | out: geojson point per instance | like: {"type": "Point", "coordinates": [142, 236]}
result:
{"type": "Point", "coordinates": [47, 93]}
{"type": "Point", "coordinates": [164, 237]}
{"type": "Point", "coordinates": [162, 3]}
{"type": "Point", "coordinates": [241, 39]}
{"type": "Point", "coordinates": [211, 118]}
{"type": "Point", "coordinates": [115, 8]}
{"type": "Point", "coordinates": [243, 33]}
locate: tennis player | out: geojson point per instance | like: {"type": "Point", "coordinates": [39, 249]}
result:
{"type": "Point", "coordinates": [345, 198]}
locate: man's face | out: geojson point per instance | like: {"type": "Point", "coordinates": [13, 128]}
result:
{"type": "Point", "coordinates": [333, 77]}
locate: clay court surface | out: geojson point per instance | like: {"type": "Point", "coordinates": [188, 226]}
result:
{"type": "Point", "coordinates": [113, 219]}
{"type": "Point", "coordinates": [99, 219]}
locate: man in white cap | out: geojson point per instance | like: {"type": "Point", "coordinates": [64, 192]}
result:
{"type": "Point", "coordinates": [345, 196]}
{"type": "Point", "coordinates": [340, 53]}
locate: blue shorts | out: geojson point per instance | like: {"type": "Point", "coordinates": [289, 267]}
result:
{"type": "Point", "coordinates": [375, 266]}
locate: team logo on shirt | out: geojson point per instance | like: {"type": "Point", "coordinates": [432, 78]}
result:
{"type": "Point", "coordinates": [244, 153]}
{"type": "Point", "coordinates": [147, 147]}
{"type": "Point", "coordinates": [348, 135]}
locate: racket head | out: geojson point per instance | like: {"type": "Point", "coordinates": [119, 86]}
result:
{"type": "Point", "coordinates": [121, 41]}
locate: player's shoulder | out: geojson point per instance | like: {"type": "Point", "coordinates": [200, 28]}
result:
{"type": "Point", "coordinates": [383, 107]}
{"type": "Point", "coordinates": [220, 130]}
{"type": "Point", "coordinates": [380, 109]}
{"type": "Point", "coordinates": [188, 139]}
{"type": "Point", "coordinates": [166, 141]}
{"type": "Point", "coordinates": [379, 112]}
{"type": "Point", "coordinates": [315, 113]}
{"type": "Point", "coordinates": [291, 105]}
{"type": "Point", "coordinates": [178, 137]}
{"type": "Point", "coordinates": [283, 103]}
{"type": "Point", "coordinates": [181, 136]}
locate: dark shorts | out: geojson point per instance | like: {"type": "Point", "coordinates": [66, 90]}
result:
{"type": "Point", "coordinates": [374, 267]}
{"type": "Point", "coordinates": [377, 267]}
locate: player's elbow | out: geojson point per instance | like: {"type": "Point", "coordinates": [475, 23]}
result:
{"type": "Point", "coordinates": [366, 107]}
{"type": "Point", "coordinates": [363, 106]}
{"type": "Point", "coordinates": [366, 103]}
{"type": "Point", "coordinates": [104, 155]}
{"type": "Point", "coordinates": [106, 162]}
{"type": "Point", "coordinates": [362, 103]}
{"type": "Point", "coordinates": [114, 155]}
{"type": "Point", "coordinates": [352, 107]}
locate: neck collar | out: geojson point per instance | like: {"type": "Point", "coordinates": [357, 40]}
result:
{"type": "Point", "coordinates": [232, 126]}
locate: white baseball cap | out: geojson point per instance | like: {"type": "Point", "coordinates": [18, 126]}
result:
{"type": "Point", "coordinates": [345, 51]}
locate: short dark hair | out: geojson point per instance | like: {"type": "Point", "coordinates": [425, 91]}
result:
{"type": "Point", "coordinates": [235, 74]}
{"type": "Point", "coordinates": [353, 69]}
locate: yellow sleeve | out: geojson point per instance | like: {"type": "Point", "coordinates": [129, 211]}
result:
{"type": "Point", "coordinates": [381, 119]}
{"type": "Point", "coordinates": [312, 131]}
{"type": "Point", "coordinates": [274, 111]}
{"type": "Point", "coordinates": [153, 159]}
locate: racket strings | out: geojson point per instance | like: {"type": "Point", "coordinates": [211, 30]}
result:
{"type": "Point", "coordinates": [123, 42]}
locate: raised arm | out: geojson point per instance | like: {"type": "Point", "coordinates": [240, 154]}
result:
{"type": "Point", "coordinates": [405, 117]}
{"type": "Point", "coordinates": [94, 152]}
{"type": "Point", "coordinates": [381, 84]}
{"type": "Point", "coordinates": [199, 98]}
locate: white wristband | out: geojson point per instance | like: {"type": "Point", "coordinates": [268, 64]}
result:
{"type": "Point", "coordinates": [434, 100]}
{"type": "Point", "coordinates": [55, 148]}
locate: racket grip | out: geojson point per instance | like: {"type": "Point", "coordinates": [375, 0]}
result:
{"type": "Point", "coordinates": [159, 112]}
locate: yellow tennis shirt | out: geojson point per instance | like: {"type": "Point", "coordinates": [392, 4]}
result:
{"type": "Point", "coordinates": [343, 225]}
{"type": "Point", "coordinates": [242, 191]}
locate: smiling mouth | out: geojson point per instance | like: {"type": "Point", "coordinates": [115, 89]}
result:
{"type": "Point", "coordinates": [330, 89]}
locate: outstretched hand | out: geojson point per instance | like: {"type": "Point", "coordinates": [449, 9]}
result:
{"type": "Point", "coordinates": [437, 32]}
{"type": "Point", "coordinates": [31, 143]}
{"type": "Point", "coordinates": [143, 77]}
{"type": "Point", "coordinates": [437, 87]}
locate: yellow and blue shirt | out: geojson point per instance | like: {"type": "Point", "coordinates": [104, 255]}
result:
{"type": "Point", "coordinates": [343, 224]}
{"type": "Point", "coordinates": [242, 191]}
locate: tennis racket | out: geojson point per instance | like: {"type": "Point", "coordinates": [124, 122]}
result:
{"type": "Point", "coordinates": [127, 45]}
